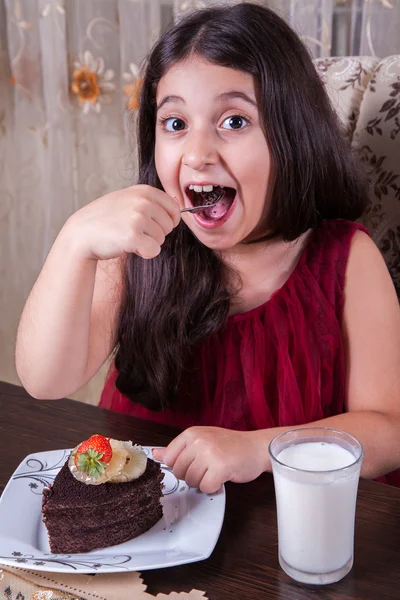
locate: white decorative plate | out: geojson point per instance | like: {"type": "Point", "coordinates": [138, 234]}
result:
{"type": "Point", "coordinates": [188, 531]}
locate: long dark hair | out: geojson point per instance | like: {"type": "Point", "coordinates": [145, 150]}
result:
{"type": "Point", "coordinates": [171, 303]}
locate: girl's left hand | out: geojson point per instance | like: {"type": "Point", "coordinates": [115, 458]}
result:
{"type": "Point", "coordinates": [207, 457]}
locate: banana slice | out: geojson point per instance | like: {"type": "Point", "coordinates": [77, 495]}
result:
{"type": "Point", "coordinates": [118, 461]}
{"type": "Point", "coordinates": [135, 466]}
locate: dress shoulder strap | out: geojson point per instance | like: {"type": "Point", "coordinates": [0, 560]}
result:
{"type": "Point", "coordinates": [326, 257]}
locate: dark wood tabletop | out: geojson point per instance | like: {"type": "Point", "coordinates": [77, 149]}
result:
{"type": "Point", "coordinates": [244, 563]}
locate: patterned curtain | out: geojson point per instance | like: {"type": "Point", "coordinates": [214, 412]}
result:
{"type": "Point", "coordinates": [332, 27]}
{"type": "Point", "coordinates": [68, 82]}
{"type": "Point", "coordinates": [69, 76]}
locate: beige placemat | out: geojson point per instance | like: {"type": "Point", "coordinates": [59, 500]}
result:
{"type": "Point", "coordinates": [34, 585]}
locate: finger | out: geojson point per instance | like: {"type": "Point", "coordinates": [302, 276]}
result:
{"type": "Point", "coordinates": [183, 462]}
{"type": "Point", "coordinates": [173, 450]}
{"type": "Point", "coordinates": [153, 230]}
{"type": "Point", "coordinates": [168, 203]}
{"type": "Point", "coordinates": [146, 247]}
{"type": "Point", "coordinates": [173, 209]}
{"type": "Point", "coordinates": [162, 218]}
{"type": "Point", "coordinates": [158, 454]}
{"type": "Point", "coordinates": [211, 482]}
{"type": "Point", "coordinates": [195, 473]}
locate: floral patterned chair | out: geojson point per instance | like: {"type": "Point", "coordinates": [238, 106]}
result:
{"type": "Point", "coordinates": [365, 92]}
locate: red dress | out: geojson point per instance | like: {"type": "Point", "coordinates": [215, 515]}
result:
{"type": "Point", "coordinates": [280, 364]}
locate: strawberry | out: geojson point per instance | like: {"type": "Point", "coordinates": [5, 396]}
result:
{"type": "Point", "coordinates": [93, 455]}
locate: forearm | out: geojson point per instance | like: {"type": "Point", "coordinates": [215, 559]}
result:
{"type": "Point", "coordinates": [379, 434]}
{"type": "Point", "coordinates": [53, 334]}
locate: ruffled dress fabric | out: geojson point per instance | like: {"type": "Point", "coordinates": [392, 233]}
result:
{"type": "Point", "coordinates": [280, 364]}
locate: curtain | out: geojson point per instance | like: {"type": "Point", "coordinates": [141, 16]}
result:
{"type": "Point", "coordinates": [69, 77]}
{"type": "Point", "coordinates": [333, 27]}
{"type": "Point", "coordinates": [68, 73]}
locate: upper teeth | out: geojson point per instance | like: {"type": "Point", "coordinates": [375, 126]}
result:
{"type": "Point", "coordinates": [202, 188]}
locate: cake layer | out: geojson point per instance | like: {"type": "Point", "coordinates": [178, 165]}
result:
{"type": "Point", "coordinates": [64, 540]}
{"type": "Point", "coordinates": [109, 514]}
{"type": "Point", "coordinates": [58, 526]}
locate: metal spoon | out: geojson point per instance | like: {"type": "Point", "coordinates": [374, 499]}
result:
{"type": "Point", "coordinates": [196, 209]}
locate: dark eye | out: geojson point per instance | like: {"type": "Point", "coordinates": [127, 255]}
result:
{"type": "Point", "coordinates": [234, 122]}
{"type": "Point", "coordinates": [174, 124]}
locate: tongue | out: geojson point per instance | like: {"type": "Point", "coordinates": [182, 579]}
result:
{"type": "Point", "coordinates": [219, 210]}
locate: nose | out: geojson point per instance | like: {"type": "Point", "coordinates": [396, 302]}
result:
{"type": "Point", "coordinates": [199, 150]}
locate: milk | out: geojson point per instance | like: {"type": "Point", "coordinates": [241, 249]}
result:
{"type": "Point", "coordinates": [316, 511]}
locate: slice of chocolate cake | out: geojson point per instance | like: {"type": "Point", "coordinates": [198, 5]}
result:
{"type": "Point", "coordinates": [81, 517]}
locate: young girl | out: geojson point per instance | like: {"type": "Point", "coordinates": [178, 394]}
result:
{"type": "Point", "coordinates": [271, 310]}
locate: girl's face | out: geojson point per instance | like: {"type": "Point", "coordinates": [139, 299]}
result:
{"type": "Point", "coordinates": [209, 132]}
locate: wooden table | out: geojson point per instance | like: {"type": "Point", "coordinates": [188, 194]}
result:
{"type": "Point", "coordinates": [244, 563]}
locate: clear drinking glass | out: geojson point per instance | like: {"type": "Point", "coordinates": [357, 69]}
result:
{"type": "Point", "coordinates": [316, 472]}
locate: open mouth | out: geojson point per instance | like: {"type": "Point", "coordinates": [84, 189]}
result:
{"type": "Point", "coordinates": [208, 194]}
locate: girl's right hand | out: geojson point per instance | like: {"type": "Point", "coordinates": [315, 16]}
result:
{"type": "Point", "coordinates": [135, 220]}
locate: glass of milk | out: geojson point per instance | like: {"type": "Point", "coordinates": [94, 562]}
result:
{"type": "Point", "coordinates": [316, 472]}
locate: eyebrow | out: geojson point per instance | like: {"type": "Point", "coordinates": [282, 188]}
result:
{"type": "Point", "coordinates": [237, 95]}
{"type": "Point", "coordinates": [221, 97]}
